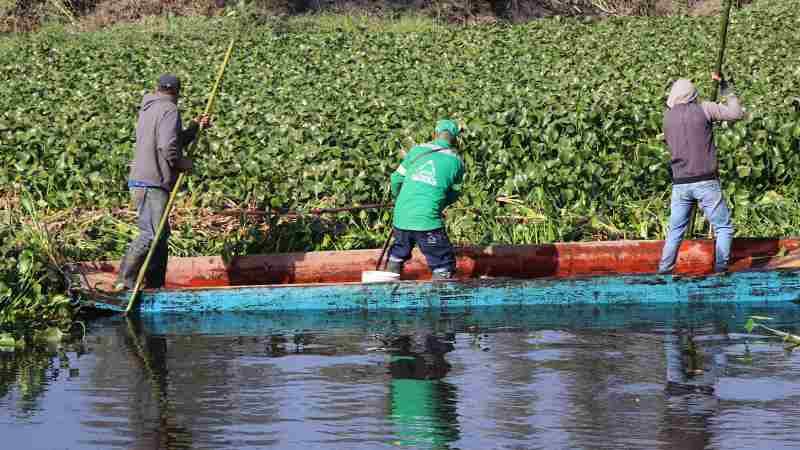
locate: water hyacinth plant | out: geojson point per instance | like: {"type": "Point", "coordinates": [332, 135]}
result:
{"type": "Point", "coordinates": [32, 281]}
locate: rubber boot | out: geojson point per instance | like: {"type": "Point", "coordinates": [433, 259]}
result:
{"type": "Point", "coordinates": [132, 262]}
{"type": "Point", "coordinates": [394, 267]}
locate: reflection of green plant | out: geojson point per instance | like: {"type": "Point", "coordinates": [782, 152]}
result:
{"type": "Point", "coordinates": [791, 340]}
{"type": "Point", "coordinates": [7, 341]}
{"type": "Point", "coordinates": [30, 371]}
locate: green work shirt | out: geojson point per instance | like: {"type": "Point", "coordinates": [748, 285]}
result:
{"type": "Point", "coordinates": [423, 187]}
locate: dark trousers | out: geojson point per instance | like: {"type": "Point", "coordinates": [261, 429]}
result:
{"type": "Point", "coordinates": [150, 204]}
{"type": "Point", "coordinates": [434, 244]}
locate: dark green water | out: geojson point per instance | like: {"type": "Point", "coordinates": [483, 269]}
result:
{"type": "Point", "coordinates": [543, 377]}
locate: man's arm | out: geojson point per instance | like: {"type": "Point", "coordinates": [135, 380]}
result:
{"type": "Point", "coordinates": [455, 189]}
{"type": "Point", "coordinates": [718, 112]}
{"type": "Point", "coordinates": [189, 134]}
{"type": "Point", "coordinates": [167, 143]}
{"type": "Point", "coordinates": [399, 175]}
{"type": "Point", "coordinates": [721, 111]}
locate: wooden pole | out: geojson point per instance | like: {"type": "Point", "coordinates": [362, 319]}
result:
{"type": "Point", "coordinates": [178, 183]}
{"type": "Point", "coordinates": [723, 40]}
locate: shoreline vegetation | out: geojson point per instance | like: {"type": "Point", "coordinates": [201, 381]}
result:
{"type": "Point", "coordinates": [335, 15]}
{"type": "Point", "coordinates": [561, 118]}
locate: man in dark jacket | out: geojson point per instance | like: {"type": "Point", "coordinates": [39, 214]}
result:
{"type": "Point", "coordinates": [689, 134]}
{"type": "Point", "coordinates": [160, 140]}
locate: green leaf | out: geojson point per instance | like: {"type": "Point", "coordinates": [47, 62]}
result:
{"type": "Point", "coordinates": [25, 262]}
{"type": "Point", "coordinates": [743, 171]}
{"type": "Point", "coordinates": [749, 325]}
{"type": "Point", "coordinates": [7, 340]}
{"type": "Point", "coordinates": [770, 198]}
{"type": "Point", "coordinates": [51, 335]}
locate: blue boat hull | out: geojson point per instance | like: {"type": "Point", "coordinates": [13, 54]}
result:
{"type": "Point", "coordinates": [740, 287]}
{"type": "Point", "coordinates": [470, 320]}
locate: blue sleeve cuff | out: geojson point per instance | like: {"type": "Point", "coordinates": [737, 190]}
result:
{"type": "Point", "coordinates": [141, 184]}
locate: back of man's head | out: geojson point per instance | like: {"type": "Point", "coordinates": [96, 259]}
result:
{"type": "Point", "coordinates": [447, 129]}
{"type": "Point", "coordinates": [169, 84]}
{"type": "Point", "coordinates": [682, 92]}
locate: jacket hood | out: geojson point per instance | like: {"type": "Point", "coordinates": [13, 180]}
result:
{"type": "Point", "coordinates": [682, 92]}
{"type": "Point", "coordinates": [151, 99]}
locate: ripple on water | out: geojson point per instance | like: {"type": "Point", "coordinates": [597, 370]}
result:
{"type": "Point", "coordinates": [508, 379]}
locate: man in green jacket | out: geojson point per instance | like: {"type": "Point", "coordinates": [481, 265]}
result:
{"type": "Point", "coordinates": [426, 182]}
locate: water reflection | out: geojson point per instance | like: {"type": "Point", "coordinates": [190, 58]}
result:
{"type": "Point", "coordinates": [150, 354]}
{"type": "Point", "coordinates": [25, 376]}
{"type": "Point", "coordinates": [423, 405]}
{"type": "Point", "coordinates": [560, 377]}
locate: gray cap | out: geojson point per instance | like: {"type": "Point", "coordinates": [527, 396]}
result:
{"type": "Point", "coordinates": [169, 81]}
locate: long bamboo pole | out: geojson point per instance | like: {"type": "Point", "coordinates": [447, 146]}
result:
{"type": "Point", "coordinates": [164, 217]}
{"type": "Point", "coordinates": [723, 40]}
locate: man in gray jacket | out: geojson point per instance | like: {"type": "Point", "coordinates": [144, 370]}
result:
{"type": "Point", "coordinates": [688, 130]}
{"type": "Point", "coordinates": [160, 140]}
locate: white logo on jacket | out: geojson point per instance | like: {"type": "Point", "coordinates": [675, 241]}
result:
{"type": "Point", "coordinates": [426, 174]}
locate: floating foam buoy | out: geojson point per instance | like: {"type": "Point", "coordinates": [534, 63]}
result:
{"type": "Point", "coordinates": [379, 276]}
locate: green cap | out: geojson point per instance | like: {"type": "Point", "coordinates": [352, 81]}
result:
{"type": "Point", "coordinates": [447, 126]}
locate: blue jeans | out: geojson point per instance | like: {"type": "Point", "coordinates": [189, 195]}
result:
{"type": "Point", "coordinates": [150, 205]}
{"type": "Point", "coordinates": [709, 194]}
{"type": "Point", "coordinates": [434, 244]}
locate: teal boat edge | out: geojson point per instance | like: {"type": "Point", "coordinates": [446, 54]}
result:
{"type": "Point", "coordinates": [486, 319]}
{"type": "Point", "coordinates": [738, 287]}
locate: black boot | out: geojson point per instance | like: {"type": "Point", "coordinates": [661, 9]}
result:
{"type": "Point", "coordinates": [131, 262]}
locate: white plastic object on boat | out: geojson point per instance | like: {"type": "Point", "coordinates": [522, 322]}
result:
{"type": "Point", "coordinates": [378, 276]}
